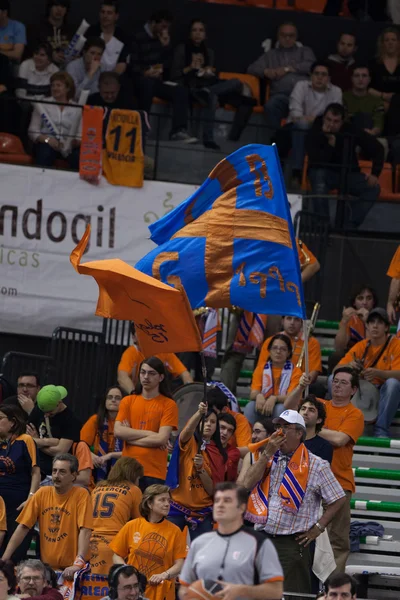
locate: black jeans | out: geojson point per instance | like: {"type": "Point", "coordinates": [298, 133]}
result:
{"type": "Point", "coordinates": [147, 88]}
{"type": "Point", "coordinates": [145, 481]}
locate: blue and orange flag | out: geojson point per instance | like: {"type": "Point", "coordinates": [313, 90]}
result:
{"type": "Point", "coordinates": [162, 315]}
{"type": "Point", "coordinates": [232, 242]}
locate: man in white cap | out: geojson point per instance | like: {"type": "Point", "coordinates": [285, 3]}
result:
{"type": "Point", "coordinates": [288, 484]}
{"type": "Point", "coordinates": [53, 426]}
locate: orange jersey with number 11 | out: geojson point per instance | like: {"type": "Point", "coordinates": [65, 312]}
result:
{"type": "Point", "coordinates": [123, 158]}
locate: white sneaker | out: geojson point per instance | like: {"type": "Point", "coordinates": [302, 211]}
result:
{"type": "Point", "coordinates": [183, 136]}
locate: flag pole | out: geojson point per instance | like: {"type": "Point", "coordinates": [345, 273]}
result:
{"type": "Point", "coordinates": [306, 331]}
{"type": "Point", "coordinates": [203, 418]}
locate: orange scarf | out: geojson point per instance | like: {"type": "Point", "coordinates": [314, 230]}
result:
{"type": "Point", "coordinates": [92, 144]}
{"type": "Point", "coordinates": [291, 490]}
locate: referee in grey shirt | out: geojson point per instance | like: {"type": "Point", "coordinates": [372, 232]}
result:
{"type": "Point", "coordinates": [243, 561]}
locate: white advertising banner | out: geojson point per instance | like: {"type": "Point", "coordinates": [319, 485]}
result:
{"type": "Point", "coordinates": [43, 214]}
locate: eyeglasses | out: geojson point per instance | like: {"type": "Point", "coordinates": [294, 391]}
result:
{"type": "Point", "coordinates": [129, 588]}
{"type": "Point", "coordinates": [279, 349]}
{"type": "Point", "coordinates": [341, 382]}
{"type": "Point", "coordinates": [34, 578]}
{"type": "Point", "coordinates": [29, 386]}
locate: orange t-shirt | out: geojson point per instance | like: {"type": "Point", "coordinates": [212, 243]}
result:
{"type": "Point", "coordinates": [90, 434]}
{"type": "Point", "coordinates": [148, 415]}
{"type": "Point", "coordinates": [190, 492]}
{"type": "Point", "coordinates": [256, 382]}
{"type": "Point", "coordinates": [242, 435]}
{"type": "Point", "coordinates": [302, 258]}
{"type": "Point", "coordinates": [152, 548]}
{"type": "Point", "coordinates": [389, 361]}
{"type": "Point", "coordinates": [314, 353]}
{"type": "Point", "coordinates": [350, 420]}
{"type": "Point", "coordinates": [132, 359]}
{"type": "Point", "coordinates": [113, 506]}
{"type": "Point", "coordinates": [60, 517]}
{"type": "Point", "coordinates": [3, 515]}
{"type": "Point", "coordinates": [82, 452]}
{"type": "Point", "coordinates": [394, 267]}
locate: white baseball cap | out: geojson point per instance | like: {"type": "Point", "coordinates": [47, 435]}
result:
{"type": "Point", "coordinates": [291, 416]}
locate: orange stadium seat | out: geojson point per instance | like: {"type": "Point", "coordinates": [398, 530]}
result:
{"type": "Point", "coordinates": [12, 150]}
{"type": "Point", "coordinates": [253, 83]}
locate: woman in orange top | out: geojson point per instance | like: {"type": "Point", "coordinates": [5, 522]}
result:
{"type": "Point", "coordinates": [272, 381]}
{"type": "Point", "coordinates": [98, 433]}
{"type": "Point", "coordinates": [197, 464]}
{"type": "Point", "coordinates": [156, 547]}
{"type": "Point", "coordinates": [115, 501]}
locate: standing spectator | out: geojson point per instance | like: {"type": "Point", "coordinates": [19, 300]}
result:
{"type": "Point", "coordinates": [145, 421]}
{"type": "Point", "coordinates": [308, 100]}
{"type": "Point", "coordinates": [194, 66]}
{"type": "Point", "coordinates": [331, 144]}
{"type": "Point", "coordinates": [117, 49]}
{"type": "Point", "coordinates": [152, 544]}
{"type": "Point", "coordinates": [8, 581]}
{"type": "Point", "coordinates": [31, 579]}
{"type": "Point", "coordinates": [261, 430]}
{"type": "Point", "coordinates": [259, 574]}
{"type": "Point", "coordinates": [385, 69]}
{"type": "Point", "coordinates": [283, 66]}
{"type": "Point", "coordinates": [148, 68]}
{"type": "Point", "coordinates": [116, 501]}
{"type": "Point", "coordinates": [34, 73]}
{"type": "Point", "coordinates": [128, 368]}
{"type": "Point", "coordinates": [55, 128]}
{"type": "Point", "coordinates": [227, 428]}
{"type": "Point", "coordinates": [85, 71]}
{"type": "Point", "coordinates": [198, 463]}
{"type": "Point", "coordinates": [293, 482]}
{"type": "Point", "coordinates": [12, 34]}
{"type": "Point", "coordinates": [341, 64]}
{"type": "Point", "coordinates": [98, 433]}
{"type": "Point", "coordinates": [19, 470]}
{"type": "Point", "coordinates": [54, 30]}
{"type": "Point", "coordinates": [363, 109]}
{"type": "Point", "coordinates": [28, 386]}
{"type": "Point", "coordinates": [218, 400]}
{"type": "Point", "coordinates": [64, 513]}
{"type": "Point", "coordinates": [53, 426]}
{"type": "Point", "coordinates": [314, 415]}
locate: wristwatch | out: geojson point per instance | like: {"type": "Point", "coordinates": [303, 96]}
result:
{"type": "Point", "coordinates": [46, 139]}
{"type": "Point", "coordinates": [320, 527]}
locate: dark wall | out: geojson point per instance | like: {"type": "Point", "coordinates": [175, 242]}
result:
{"type": "Point", "coordinates": [234, 32]}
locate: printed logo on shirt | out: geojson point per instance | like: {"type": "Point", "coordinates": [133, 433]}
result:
{"type": "Point", "coordinates": [136, 537]}
{"type": "Point", "coordinates": [236, 555]}
{"type": "Point", "coordinates": [294, 466]}
{"type": "Point", "coordinates": [151, 553]}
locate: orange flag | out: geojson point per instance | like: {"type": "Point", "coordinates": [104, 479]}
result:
{"type": "Point", "coordinates": [162, 314]}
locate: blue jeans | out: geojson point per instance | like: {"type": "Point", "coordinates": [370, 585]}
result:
{"type": "Point", "coordinates": [389, 403]}
{"type": "Point", "coordinates": [252, 415]}
{"type": "Point", "coordinates": [45, 156]}
{"type": "Point", "coordinates": [276, 109]}
{"type": "Point", "coordinates": [324, 180]}
{"type": "Point", "coordinates": [204, 527]}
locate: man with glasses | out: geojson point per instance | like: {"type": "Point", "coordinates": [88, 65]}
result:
{"type": "Point", "coordinates": [288, 484]}
{"type": "Point", "coordinates": [32, 583]}
{"type": "Point", "coordinates": [282, 66]}
{"type": "Point", "coordinates": [28, 387]}
{"type": "Point", "coordinates": [125, 583]}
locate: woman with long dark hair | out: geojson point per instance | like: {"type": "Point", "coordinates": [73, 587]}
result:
{"type": "Point", "coordinates": [146, 419]}
{"type": "Point", "coordinates": [273, 380]}
{"type": "Point", "coordinates": [98, 433]}
{"type": "Point", "coordinates": [198, 463]}
{"type": "Point", "coordinates": [385, 69]}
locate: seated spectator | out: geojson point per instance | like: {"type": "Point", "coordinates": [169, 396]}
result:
{"type": "Point", "coordinates": [131, 544]}
{"type": "Point", "coordinates": [85, 71]}
{"type": "Point", "coordinates": [194, 67]}
{"type": "Point", "coordinates": [110, 94]}
{"type": "Point", "coordinates": [54, 30]}
{"type": "Point", "coordinates": [12, 34]}
{"type": "Point", "coordinates": [148, 70]}
{"type": "Point", "coordinates": [126, 583]}
{"type": "Point", "coordinates": [28, 387]}
{"type": "Point", "coordinates": [314, 415]}
{"type": "Point", "coordinates": [283, 66]}
{"type": "Point", "coordinates": [85, 464]}
{"type": "Point", "coordinates": [98, 433]}
{"type": "Point", "coordinates": [19, 470]}
{"type": "Point", "coordinates": [55, 129]}
{"type": "Point", "coordinates": [31, 579]}
{"type": "Point", "coordinates": [128, 368]}
{"type": "Point", "coordinates": [220, 402]}
{"type": "Point", "coordinates": [198, 463]}
{"type": "Point", "coordinates": [352, 326]}
{"type": "Point", "coordinates": [34, 73]}
{"type": "Point", "coordinates": [330, 144]}
{"type": "Point", "coordinates": [262, 429]}
{"type": "Point", "coordinates": [272, 380]}
{"type": "Point", "coordinates": [385, 69]}
{"type": "Point", "coordinates": [8, 580]}
{"type": "Point", "coordinates": [377, 360]}
{"type": "Point", "coordinates": [9, 110]}
{"type": "Point", "coordinates": [116, 45]}
{"type": "Point", "coordinates": [53, 426]}
{"type": "Point", "coordinates": [341, 64]}
{"type": "Point", "coordinates": [393, 129]}
{"type": "Point", "coordinates": [64, 513]}
{"type": "Point", "coordinates": [341, 585]}
{"type": "Point", "coordinates": [227, 428]}
{"type": "Point", "coordinates": [308, 100]}
{"type": "Point", "coordinates": [363, 109]}
{"type": "Point", "coordinates": [116, 501]}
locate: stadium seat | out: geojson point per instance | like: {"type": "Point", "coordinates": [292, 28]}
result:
{"type": "Point", "coordinates": [12, 150]}
{"type": "Point", "coordinates": [253, 83]}
{"type": "Point", "coordinates": [385, 181]}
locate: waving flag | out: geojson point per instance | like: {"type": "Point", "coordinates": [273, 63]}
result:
{"type": "Point", "coordinates": [232, 242]}
{"type": "Point", "coordinates": [162, 315]}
